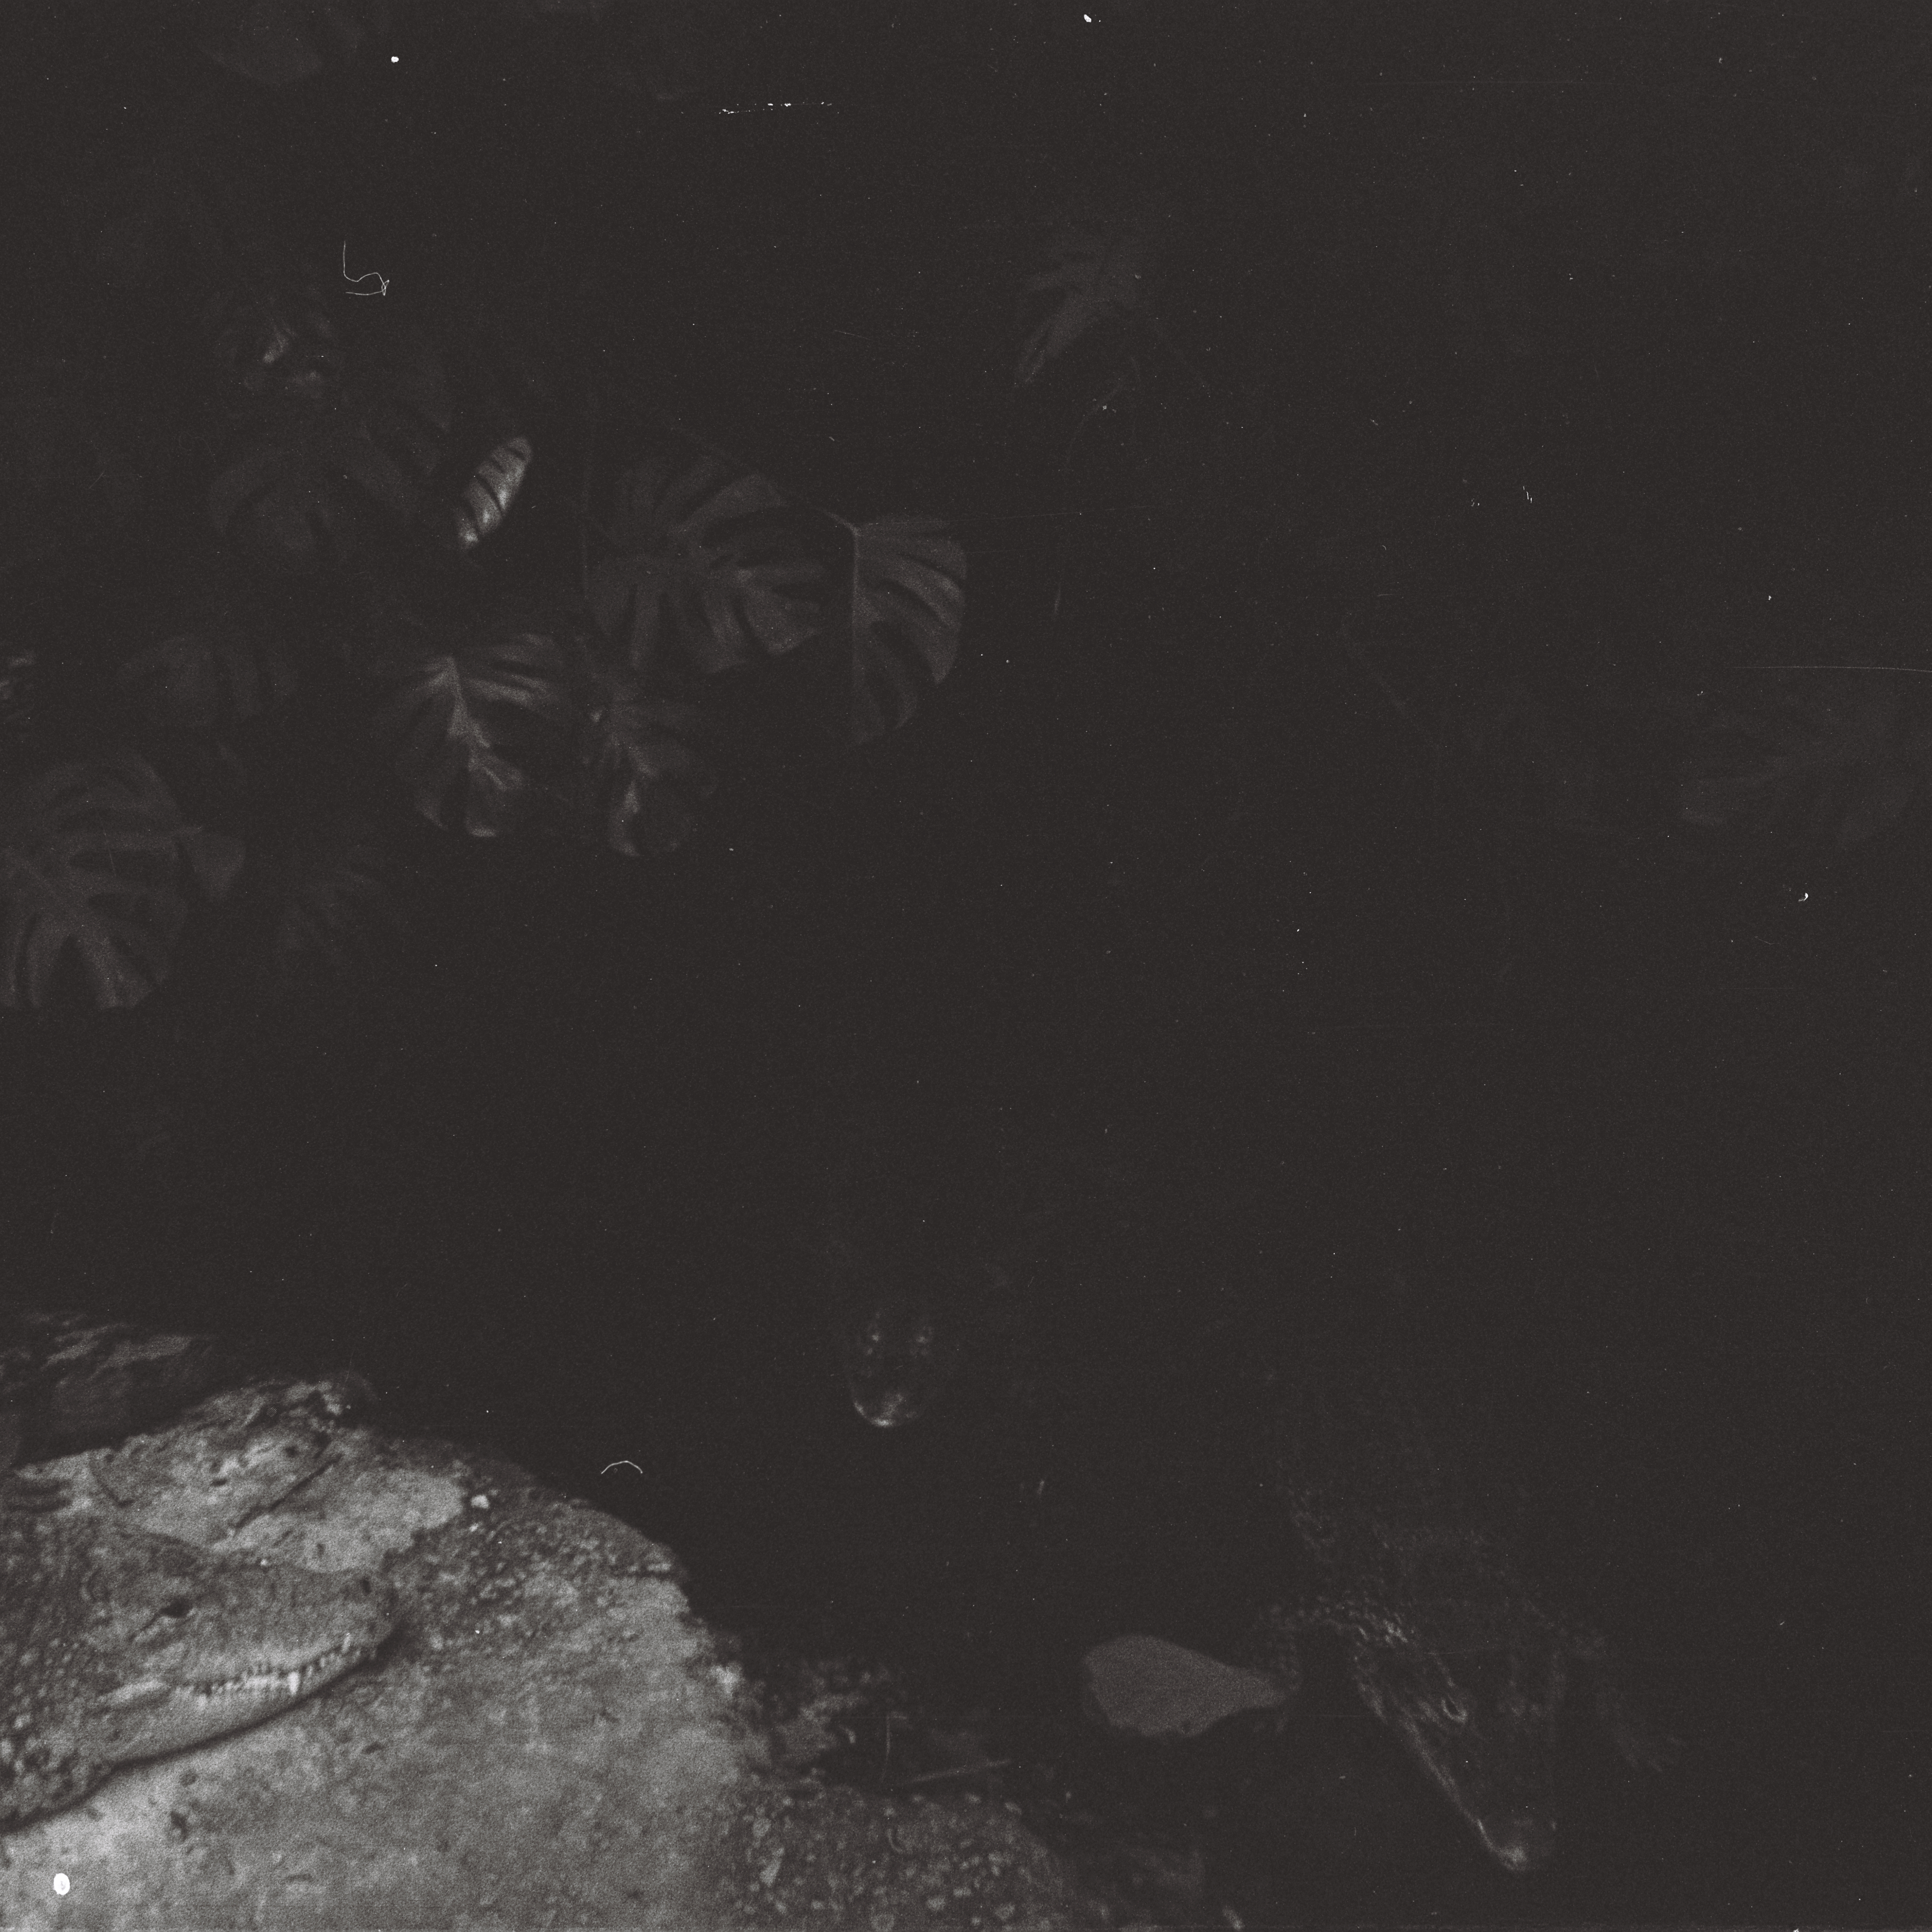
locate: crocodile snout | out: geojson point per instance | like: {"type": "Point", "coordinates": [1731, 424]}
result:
{"type": "Point", "coordinates": [1521, 1843]}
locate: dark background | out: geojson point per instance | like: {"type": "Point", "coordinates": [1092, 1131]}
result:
{"type": "Point", "coordinates": [1573, 346]}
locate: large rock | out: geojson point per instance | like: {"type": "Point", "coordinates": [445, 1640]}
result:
{"type": "Point", "coordinates": [551, 1737]}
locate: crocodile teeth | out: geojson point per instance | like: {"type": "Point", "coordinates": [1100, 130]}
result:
{"type": "Point", "coordinates": [258, 1683]}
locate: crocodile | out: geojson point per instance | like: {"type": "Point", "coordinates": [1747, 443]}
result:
{"type": "Point", "coordinates": [1444, 1638]}
{"type": "Point", "coordinates": [117, 1644]}
{"type": "Point", "coordinates": [902, 1277]}
{"type": "Point", "coordinates": [932, 1250]}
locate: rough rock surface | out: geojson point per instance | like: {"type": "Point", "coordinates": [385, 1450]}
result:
{"type": "Point", "coordinates": [550, 1738]}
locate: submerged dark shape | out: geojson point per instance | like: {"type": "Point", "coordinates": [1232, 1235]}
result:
{"type": "Point", "coordinates": [940, 1251]}
{"type": "Point", "coordinates": [901, 1349]}
{"type": "Point", "coordinates": [918, 1260]}
{"type": "Point", "coordinates": [1444, 1639]}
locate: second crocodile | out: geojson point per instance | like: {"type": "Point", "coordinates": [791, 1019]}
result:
{"type": "Point", "coordinates": [936, 1252]}
{"type": "Point", "coordinates": [1445, 1639]}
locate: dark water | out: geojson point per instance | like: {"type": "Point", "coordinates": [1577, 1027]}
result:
{"type": "Point", "coordinates": [1674, 1257]}
{"type": "Point", "coordinates": [1657, 1138]}
{"type": "Point", "coordinates": [1663, 1206]}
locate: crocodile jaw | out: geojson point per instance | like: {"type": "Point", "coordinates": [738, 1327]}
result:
{"type": "Point", "coordinates": [1483, 1728]}
{"type": "Point", "coordinates": [1519, 1845]}
{"type": "Point", "coordinates": [201, 1644]}
{"type": "Point", "coordinates": [1521, 1838]}
{"type": "Point", "coordinates": [117, 1645]}
{"type": "Point", "coordinates": [149, 1716]}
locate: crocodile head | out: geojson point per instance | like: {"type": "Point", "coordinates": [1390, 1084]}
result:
{"type": "Point", "coordinates": [1481, 1723]}
{"type": "Point", "coordinates": [204, 1644]}
{"type": "Point", "coordinates": [910, 1321]}
{"type": "Point", "coordinates": [117, 1645]}
{"type": "Point", "coordinates": [899, 1350]}
{"type": "Point", "coordinates": [918, 1263]}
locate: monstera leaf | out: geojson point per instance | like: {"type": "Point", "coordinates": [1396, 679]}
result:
{"type": "Point", "coordinates": [475, 732]}
{"type": "Point", "coordinates": [280, 502]}
{"type": "Point", "coordinates": [907, 595]}
{"type": "Point", "coordinates": [274, 42]}
{"type": "Point", "coordinates": [710, 571]}
{"type": "Point", "coordinates": [91, 856]}
{"type": "Point", "coordinates": [1843, 756]}
{"type": "Point", "coordinates": [322, 459]}
{"type": "Point", "coordinates": [646, 775]}
{"type": "Point", "coordinates": [1098, 270]}
{"type": "Point", "coordinates": [207, 706]}
{"type": "Point", "coordinates": [275, 340]}
{"type": "Point", "coordinates": [488, 494]}
{"type": "Point", "coordinates": [216, 677]}
{"type": "Point", "coordinates": [343, 907]}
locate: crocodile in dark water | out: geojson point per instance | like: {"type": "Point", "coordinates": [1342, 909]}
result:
{"type": "Point", "coordinates": [1445, 1640]}
{"type": "Point", "coordinates": [933, 1248]}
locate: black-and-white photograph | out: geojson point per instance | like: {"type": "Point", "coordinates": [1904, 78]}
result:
{"type": "Point", "coordinates": [962, 965]}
